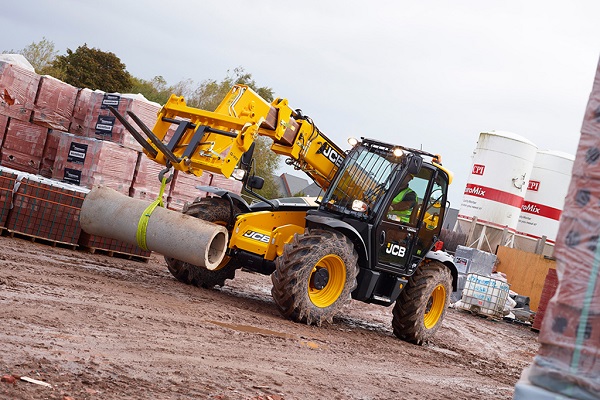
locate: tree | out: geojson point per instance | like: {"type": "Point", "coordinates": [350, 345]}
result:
{"type": "Point", "coordinates": [94, 69]}
{"type": "Point", "coordinates": [40, 55]}
{"type": "Point", "coordinates": [155, 89]}
{"type": "Point", "coordinates": [210, 92]}
{"type": "Point", "coordinates": [266, 163]}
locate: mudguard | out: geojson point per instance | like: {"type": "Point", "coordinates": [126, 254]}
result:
{"type": "Point", "coordinates": [343, 227]}
{"type": "Point", "coordinates": [236, 198]}
{"type": "Point", "coordinates": [448, 261]}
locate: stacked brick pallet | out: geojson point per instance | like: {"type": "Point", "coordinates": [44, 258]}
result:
{"type": "Point", "coordinates": [7, 185]}
{"type": "Point", "coordinates": [567, 361]}
{"type": "Point", "coordinates": [50, 129]}
{"type": "Point", "coordinates": [46, 209]}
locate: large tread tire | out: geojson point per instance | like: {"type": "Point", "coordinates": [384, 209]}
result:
{"type": "Point", "coordinates": [296, 295]}
{"type": "Point", "coordinates": [211, 209]}
{"type": "Point", "coordinates": [421, 306]}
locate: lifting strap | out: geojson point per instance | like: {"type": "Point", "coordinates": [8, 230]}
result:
{"type": "Point", "coordinates": [140, 235]}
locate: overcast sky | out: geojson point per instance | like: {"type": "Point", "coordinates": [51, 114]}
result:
{"type": "Point", "coordinates": [428, 74]}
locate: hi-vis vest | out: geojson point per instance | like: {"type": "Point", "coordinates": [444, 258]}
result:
{"type": "Point", "coordinates": [402, 216]}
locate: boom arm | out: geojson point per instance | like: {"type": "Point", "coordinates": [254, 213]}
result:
{"type": "Point", "coordinates": [193, 140]}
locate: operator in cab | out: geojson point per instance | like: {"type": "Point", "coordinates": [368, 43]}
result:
{"type": "Point", "coordinates": [403, 203]}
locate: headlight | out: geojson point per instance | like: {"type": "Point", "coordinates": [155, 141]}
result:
{"type": "Point", "coordinates": [238, 174]}
{"type": "Point", "coordinates": [352, 141]}
{"type": "Point", "coordinates": [397, 152]}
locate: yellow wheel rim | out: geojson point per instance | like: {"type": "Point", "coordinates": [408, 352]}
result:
{"type": "Point", "coordinates": [336, 270]}
{"type": "Point", "coordinates": [435, 306]}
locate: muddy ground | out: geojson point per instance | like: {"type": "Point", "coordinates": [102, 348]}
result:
{"type": "Point", "coordinates": [100, 327]}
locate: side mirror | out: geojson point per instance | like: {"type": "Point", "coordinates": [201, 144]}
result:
{"type": "Point", "coordinates": [255, 182]}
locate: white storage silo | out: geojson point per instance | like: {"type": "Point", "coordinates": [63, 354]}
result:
{"type": "Point", "coordinates": [502, 163]}
{"type": "Point", "coordinates": [544, 200]}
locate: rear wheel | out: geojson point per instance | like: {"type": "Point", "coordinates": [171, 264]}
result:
{"type": "Point", "coordinates": [314, 276]}
{"type": "Point", "coordinates": [421, 307]}
{"type": "Point", "coordinates": [218, 211]}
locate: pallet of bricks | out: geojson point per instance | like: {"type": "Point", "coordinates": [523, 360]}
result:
{"type": "Point", "coordinates": [67, 141]}
{"type": "Point", "coordinates": [568, 361]}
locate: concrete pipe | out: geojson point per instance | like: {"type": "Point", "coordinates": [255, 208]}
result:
{"type": "Point", "coordinates": [108, 213]}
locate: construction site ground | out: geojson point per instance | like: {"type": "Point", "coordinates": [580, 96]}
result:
{"type": "Point", "coordinates": [100, 327]}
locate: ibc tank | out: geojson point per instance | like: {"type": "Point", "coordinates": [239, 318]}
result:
{"type": "Point", "coordinates": [502, 163]}
{"type": "Point", "coordinates": [544, 200]}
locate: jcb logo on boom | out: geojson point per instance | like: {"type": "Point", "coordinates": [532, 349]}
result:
{"type": "Point", "coordinates": [257, 236]}
{"type": "Point", "coordinates": [395, 250]}
{"type": "Point", "coordinates": [331, 154]}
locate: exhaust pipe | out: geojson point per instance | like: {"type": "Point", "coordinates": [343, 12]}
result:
{"type": "Point", "coordinates": [108, 213]}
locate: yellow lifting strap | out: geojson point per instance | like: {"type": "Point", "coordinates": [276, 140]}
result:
{"type": "Point", "coordinates": [140, 235]}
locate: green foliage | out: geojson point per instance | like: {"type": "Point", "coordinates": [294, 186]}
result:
{"type": "Point", "coordinates": [209, 94]}
{"type": "Point", "coordinates": [266, 163]}
{"type": "Point", "coordinates": [93, 69]}
{"type": "Point", "coordinates": [40, 55]}
{"type": "Point", "coordinates": [155, 89]}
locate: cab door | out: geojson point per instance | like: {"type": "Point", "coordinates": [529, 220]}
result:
{"type": "Point", "coordinates": [396, 241]}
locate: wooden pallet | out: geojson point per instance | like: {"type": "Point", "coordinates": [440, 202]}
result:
{"type": "Point", "coordinates": [38, 239]}
{"type": "Point", "coordinates": [118, 254]}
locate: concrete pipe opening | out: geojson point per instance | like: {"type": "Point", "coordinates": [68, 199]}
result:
{"type": "Point", "coordinates": [216, 251]}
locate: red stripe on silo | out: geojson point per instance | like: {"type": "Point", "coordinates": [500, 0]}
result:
{"type": "Point", "coordinates": [541, 210]}
{"type": "Point", "coordinates": [488, 193]}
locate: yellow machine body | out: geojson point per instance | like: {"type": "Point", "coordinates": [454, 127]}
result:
{"type": "Point", "coordinates": [233, 127]}
{"type": "Point", "coordinates": [266, 232]}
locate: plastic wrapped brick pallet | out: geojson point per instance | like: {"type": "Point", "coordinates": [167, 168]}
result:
{"type": "Point", "coordinates": [92, 118]}
{"type": "Point", "coordinates": [18, 88]}
{"type": "Point", "coordinates": [568, 359]}
{"type": "Point", "coordinates": [19, 161]}
{"type": "Point", "coordinates": [81, 111]}
{"type": "Point", "coordinates": [54, 104]}
{"type": "Point", "coordinates": [25, 137]}
{"type": "Point", "coordinates": [49, 154]}
{"type": "Point", "coordinates": [87, 162]}
{"type": "Point", "coordinates": [23, 146]}
{"type": "Point", "coordinates": [3, 125]}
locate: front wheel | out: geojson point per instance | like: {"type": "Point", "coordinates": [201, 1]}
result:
{"type": "Point", "coordinates": [315, 276]}
{"type": "Point", "coordinates": [421, 307]}
{"type": "Point", "coordinates": [217, 211]}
